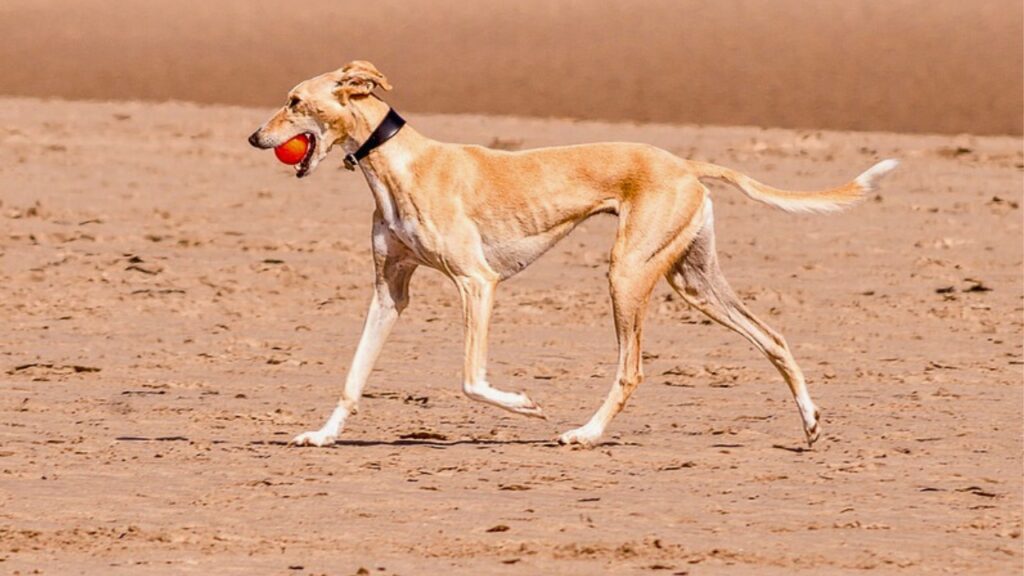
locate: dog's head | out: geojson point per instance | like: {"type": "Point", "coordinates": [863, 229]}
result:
{"type": "Point", "coordinates": [325, 109]}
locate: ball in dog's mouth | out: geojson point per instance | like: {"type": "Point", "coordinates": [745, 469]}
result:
{"type": "Point", "coordinates": [298, 152]}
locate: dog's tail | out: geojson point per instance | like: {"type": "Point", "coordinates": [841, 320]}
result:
{"type": "Point", "coordinates": [829, 200]}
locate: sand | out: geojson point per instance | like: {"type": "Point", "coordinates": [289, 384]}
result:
{"type": "Point", "coordinates": [176, 307]}
{"type": "Point", "coordinates": [949, 66]}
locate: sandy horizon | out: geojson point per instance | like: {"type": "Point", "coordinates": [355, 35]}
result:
{"type": "Point", "coordinates": [922, 66]}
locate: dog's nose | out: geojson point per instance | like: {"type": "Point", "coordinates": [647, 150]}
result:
{"type": "Point", "coordinates": [254, 139]}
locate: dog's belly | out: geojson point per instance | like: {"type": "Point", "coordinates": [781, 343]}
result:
{"type": "Point", "coordinates": [510, 245]}
{"type": "Point", "coordinates": [509, 256]}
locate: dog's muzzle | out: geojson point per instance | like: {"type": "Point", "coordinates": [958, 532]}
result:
{"type": "Point", "coordinates": [254, 140]}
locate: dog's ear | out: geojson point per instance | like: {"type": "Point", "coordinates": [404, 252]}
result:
{"type": "Point", "coordinates": [359, 78]}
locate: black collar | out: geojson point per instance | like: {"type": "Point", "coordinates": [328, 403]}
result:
{"type": "Point", "coordinates": [384, 131]}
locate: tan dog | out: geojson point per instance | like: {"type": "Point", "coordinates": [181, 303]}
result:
{"type": "Point", "coordinates": [480, 216]}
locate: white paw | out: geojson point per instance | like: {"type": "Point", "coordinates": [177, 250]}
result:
{"type": "Point", "coordinates": [812, 427]}
{"type": "Point", "coordinates": [585, 436]}
{"type": "Point", "coordinates": [318, 438]}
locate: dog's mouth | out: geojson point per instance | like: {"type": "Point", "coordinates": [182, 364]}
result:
{"type": "Point", "coordinates": [304, 165]}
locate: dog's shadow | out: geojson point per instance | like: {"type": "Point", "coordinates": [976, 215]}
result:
{"type": "Point", "coordinates": [436, 444]}
{"type": "Point", "coordinates": [426, 443]}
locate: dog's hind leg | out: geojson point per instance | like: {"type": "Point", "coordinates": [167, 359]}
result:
{"type": "Point", "coordinates": [477, 303]}
{"type": "Point", "coordinates": [699, 280]}
{"type": "Point", "coordinates": [394, 267]}
{"type": "Point", "coordinates": [630, 294]}
{"type": "Point", "coordinates": [653, 232]}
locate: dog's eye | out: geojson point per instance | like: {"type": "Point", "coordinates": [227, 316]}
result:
{"type": "Point", "coordinates": [294, 102]}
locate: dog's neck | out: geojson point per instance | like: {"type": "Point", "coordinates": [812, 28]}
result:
{"type": "Point", "coordinates": [388, 168]}
{"type": "Point", "coordinates": [367, 114]}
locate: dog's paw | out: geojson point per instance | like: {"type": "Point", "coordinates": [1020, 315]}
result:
{"type": "Point", "coordinates": [584, 436]}
{"type": "Point", "coordinates": [813, 429]}
{"type": "Point", "coordinates": [530, 408]}
{"type": "Point", "coordinates": [319, 438]}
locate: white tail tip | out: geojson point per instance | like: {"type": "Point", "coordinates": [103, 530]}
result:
{"type": "Point", "coordinates": [868, 180]}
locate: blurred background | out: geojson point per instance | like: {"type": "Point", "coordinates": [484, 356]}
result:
{"type": "Point", "coordinates": [945, 66]}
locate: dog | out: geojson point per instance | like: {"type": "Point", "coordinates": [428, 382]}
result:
{"type": "Point", "coordinates": [480, 216]}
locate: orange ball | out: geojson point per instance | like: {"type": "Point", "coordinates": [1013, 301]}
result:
{"type": "Point", "coordinates": [294, 150]}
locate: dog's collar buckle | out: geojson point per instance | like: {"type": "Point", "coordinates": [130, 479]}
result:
{"type": "Point", "coordinates": [384, 131]}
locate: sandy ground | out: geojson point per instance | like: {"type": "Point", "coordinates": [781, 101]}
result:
{"type": "Point", "coordinates": [176, 307]}
{"type": "Point", "coordinates": [950, 66]}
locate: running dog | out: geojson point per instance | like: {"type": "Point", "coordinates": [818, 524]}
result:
{"type": "Point", "coordinates": [480, 216]}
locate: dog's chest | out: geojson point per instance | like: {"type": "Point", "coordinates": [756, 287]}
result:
{"type": "Point", "coordinates": [399, 223]}
{"type": "Point", "coordinates": [407, 233]}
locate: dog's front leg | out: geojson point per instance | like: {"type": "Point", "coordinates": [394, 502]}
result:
{"type": "Point", "coordinates": [477, 303]}
{"type": "Point", "coordinates": [394, 268]}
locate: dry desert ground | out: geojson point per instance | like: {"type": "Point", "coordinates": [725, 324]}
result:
{"type": "Point", "coordinates": [176, 307]}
